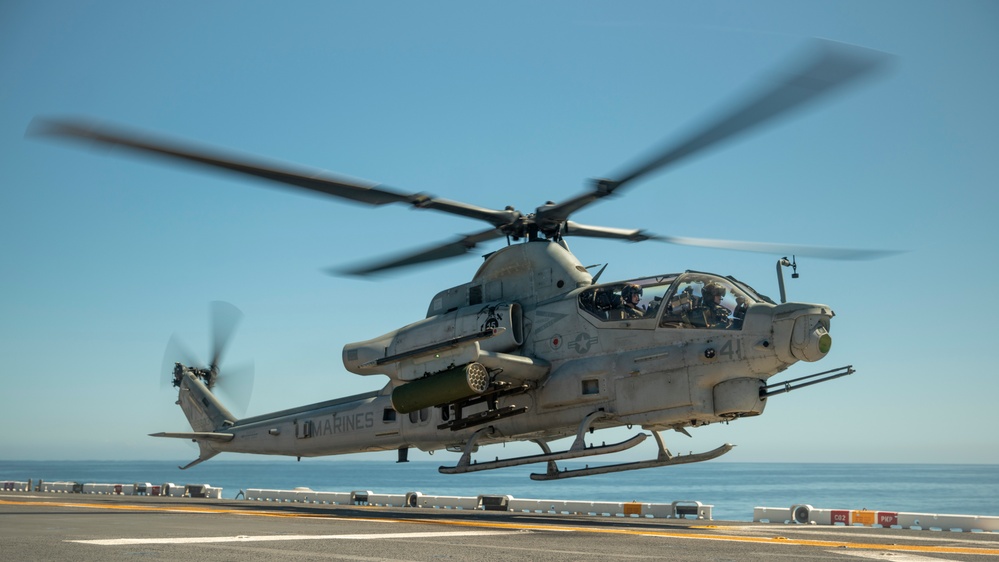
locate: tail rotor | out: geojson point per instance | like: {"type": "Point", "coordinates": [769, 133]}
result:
{"type": "Point", "coordinates": [235, 384]}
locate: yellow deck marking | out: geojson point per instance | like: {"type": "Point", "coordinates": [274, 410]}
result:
{"type": "Point", "coordinates": [542, 527]}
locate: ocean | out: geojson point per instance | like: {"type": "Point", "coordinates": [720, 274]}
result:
{"type": "Point", "coordinates": [734, 489]}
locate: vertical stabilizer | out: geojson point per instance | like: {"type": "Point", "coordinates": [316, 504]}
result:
{"type": "Point", "coordinates": [205, 414]}
{"type": "Point", "coordinates": [203, 410]}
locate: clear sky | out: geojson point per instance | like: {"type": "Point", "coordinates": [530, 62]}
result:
{"type": "Point", "coordinates": [498, 103]}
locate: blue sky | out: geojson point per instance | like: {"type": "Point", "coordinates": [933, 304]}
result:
{"type": "Point", "coordinates": [497, 104]}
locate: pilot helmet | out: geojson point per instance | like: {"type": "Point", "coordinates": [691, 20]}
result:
{"type": "Point", "coordinates": [712, 290]}
{"type": "Point", "coordinates": [630, 289]}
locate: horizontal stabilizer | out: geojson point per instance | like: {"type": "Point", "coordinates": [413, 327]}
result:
{"type": "Point", "coordinates": [197, 436]}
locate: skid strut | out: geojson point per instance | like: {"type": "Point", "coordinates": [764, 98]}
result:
{"type": "Point", "coordinates": [578, 449]}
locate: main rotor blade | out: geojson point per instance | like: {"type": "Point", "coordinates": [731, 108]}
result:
{"type": "Point", "coordinates": [314, 180]}
{"type": "Point", "coordinates": [830, 66]}
{"type": "Point", "coordinates": [576, 229]}
{"type": "Point", "coordinates": [779, 249]}
{"type": "Point", "coordinates": [225, 318]}
{"type": "Point", "coordinates": [452, 249]}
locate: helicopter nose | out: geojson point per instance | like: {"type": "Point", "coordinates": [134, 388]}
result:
{"type": "Point", "coordinates": [805, 329]}
{"type": "Point", "coordinates": [810, 339]}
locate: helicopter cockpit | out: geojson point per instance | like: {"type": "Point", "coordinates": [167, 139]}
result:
{"type": "Point", "coordinates": [687, 300]}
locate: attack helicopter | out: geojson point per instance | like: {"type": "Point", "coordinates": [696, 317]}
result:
{"type": "Point", "coordinates": [535, 347]}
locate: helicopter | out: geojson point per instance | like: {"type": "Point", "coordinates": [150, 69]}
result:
{"type": "Point", "coordinates": [535, 347]}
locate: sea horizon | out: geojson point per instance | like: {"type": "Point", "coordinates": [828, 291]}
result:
{"type": "Point", "coordinates": [733, 488]}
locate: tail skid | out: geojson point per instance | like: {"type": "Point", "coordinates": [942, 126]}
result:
{"type": "Point", "coordinates": [206, 453]}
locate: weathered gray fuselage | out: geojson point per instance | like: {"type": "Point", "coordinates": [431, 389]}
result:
{"type": "Point", "coordinates": [572, 350]}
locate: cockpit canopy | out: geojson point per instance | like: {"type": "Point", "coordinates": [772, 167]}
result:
{"type": "Point", "coordinates": [685, 300]}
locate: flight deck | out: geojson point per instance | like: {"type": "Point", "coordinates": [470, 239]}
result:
{"type": "Point", "coordinates": [55, 526]}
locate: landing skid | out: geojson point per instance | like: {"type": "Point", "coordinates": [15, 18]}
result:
{"type": "Point", "coordinates": [464, 466]}
{"type": "Point", "coordinates": [665, 458]}
{"type": "Point", "coordinates": [579, 449]}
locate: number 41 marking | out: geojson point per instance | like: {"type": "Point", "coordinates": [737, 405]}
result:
{"type": "Point", "coordinates": [732, 350]}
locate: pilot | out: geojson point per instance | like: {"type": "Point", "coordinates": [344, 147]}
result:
{"type": "Point", "coordinates": [631, 294]}
{"type": "Point", "coordinates": [711, 313]}
{"type": "Point", "coordinates": [741, 307]}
